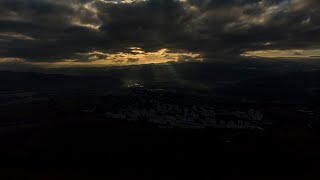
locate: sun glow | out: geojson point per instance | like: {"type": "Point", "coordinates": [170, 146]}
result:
{"type": "Point", "coordinates": [292, 53]}
{"type": "Point", "coordinates": [131, 56]}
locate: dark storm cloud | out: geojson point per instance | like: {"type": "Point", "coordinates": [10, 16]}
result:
{"type": "Point", "coordinates": [55, 30]}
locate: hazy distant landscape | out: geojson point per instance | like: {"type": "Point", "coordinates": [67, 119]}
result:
{"type": "Point", "coordinates": [258, 115]}
{"type": "Point", "coordinates": [275, 81]}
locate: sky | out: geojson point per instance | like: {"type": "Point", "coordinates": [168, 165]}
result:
{"type": "Point", "coordinates": [129, 32]}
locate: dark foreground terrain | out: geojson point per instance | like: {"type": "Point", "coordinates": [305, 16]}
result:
{"type": "Point", "coordinates": [77, 130]}
{"type": "Point", "coordinates": [41, 137]}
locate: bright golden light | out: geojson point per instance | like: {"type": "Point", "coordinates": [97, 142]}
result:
{"type": "Point", "coordinates": [292, 53]}
{"type": "Point", "coordinates": [132, 56]}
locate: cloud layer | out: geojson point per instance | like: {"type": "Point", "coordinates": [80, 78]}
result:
{"type": "Point", "coordinates": [61, 30]}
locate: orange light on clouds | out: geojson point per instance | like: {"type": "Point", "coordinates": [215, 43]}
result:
{"type": "Point", "coordinates": [292, 53]}
{"type": "Point", "coordinates": [132, 56]}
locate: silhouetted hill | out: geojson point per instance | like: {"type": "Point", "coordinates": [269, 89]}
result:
{"type": "Point", "coordinates": [31, 81]}
{"type": "Point", "coordinates": [293, 87]}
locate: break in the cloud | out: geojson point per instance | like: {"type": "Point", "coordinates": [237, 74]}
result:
{"type": "Point", "coordinates": [69, 31]}
{"type": "Point", "coordinates": [292, 53]}
{"type": "Point", "coordinates": [133, 56]}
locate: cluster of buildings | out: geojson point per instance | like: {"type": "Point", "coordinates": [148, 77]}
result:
{"type": "Point", "coordinates": [171, 115]}
{"type": "Point", "coordinates": [311, 117]}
